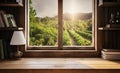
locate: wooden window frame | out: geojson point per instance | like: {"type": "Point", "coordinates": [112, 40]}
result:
{"type": "Point", "coordinates": [59, 51]}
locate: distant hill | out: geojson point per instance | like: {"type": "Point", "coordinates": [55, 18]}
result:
{"type": "Point", "coordinates": [68, 16]}
{"type": "Point", "coordinates": [78, 16]}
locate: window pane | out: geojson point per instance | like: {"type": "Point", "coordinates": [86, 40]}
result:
{"type": "Point", "coordinates": [77, 22]}
{"type": "Point", "coordinates": [43, 20]}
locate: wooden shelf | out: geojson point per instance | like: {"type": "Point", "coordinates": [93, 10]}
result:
{"type": "Point", "coordinates": [109, 4]}
{"type": "Point", "coordinates": [106, 28]}
{"type": "Point", "coordinates": [11, 4]}
{"type": "Point", "coordinates": [11, 28]}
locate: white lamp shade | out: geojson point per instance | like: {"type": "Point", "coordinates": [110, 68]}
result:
{"type": "Point", "coordinates": [18, 38]}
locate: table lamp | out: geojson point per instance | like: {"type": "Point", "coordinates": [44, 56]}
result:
{"type": "Point", "coordinates": [17, 39]}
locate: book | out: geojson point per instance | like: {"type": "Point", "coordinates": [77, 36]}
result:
{"type": "Point", "coordinates": [3, 17]}
{"type": "Point", "coordinates": [1, 49]}
{"type": "Point", "coordinates": [110, 54]}
{"type": "Point", "coordinates": [111, 50]}
{"type": "Point", "coordinates": [5, 52]}
{"type": "Point", "coordinates": [111, 57]}
{"type": "Point", "coordinates": [5, 49]}
{"type": "Point", "coordinates": [1, 20]}
{"type": "Point", "coordinates": [6, 20]}
{"type": "Point", "coordinates": [103, 52]}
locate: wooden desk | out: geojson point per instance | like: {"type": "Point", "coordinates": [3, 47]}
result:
{"type": "Point", "coordinates": [60, 65]}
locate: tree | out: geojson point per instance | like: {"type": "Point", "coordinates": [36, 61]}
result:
{"type": "Point", "coordinates": [32, 12]}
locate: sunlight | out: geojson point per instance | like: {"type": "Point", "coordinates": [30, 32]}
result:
{"type": "Point", "coordinates": [73, 11]}
{"type": "Point", "coordinates": [73, 8]}
{"type": "Point", "coordinates": [77, 6]}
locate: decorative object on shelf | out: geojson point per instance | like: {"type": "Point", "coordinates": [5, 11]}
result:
{"type": "Point", "coordinates": [7, 20]}
{"type": "Point", "coordinates": [18, 39]}
{"type": "Point", "coordinates": [112, 19]}
{"type": "Point", "coordinates": [117, 19]}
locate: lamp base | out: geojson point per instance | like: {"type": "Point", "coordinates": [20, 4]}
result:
{"type": "Point", "coordinates": [17, 54]}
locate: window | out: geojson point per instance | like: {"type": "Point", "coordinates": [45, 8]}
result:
{"type": "Point", "coordinates": [61, 24]}
{"type": "Point", "coordinates": [43, 23]}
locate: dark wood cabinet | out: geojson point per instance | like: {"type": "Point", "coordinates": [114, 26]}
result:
{"type": "Point", "coordinates": [110, 33]}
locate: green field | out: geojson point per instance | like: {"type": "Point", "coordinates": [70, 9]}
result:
{"type": "Point", "coordinates": [44, 32]}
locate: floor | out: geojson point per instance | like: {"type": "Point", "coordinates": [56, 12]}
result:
{"type": "Point", "coordinates": [59, 63]}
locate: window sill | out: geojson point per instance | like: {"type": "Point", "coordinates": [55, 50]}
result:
{"type": "Point", "coordinates": [64, 48]}
{"type": "Point", "coordinates": [62, 53]}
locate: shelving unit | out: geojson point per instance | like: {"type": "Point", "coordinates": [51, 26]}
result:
{"type": "Point", "coordinates": [110, 32]}
{"type": "Point", "coordinates": [12, 5]}
{"type": "Point", "coordinates": [18, 11]}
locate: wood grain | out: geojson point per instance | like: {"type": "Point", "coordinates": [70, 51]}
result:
{"type": "Point", "coordinates": [59, 63]}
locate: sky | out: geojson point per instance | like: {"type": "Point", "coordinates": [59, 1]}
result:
{"type": "Point", "coordinates": [50, 7]}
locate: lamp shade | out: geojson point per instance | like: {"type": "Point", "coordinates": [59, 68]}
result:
{"type": "Point", "coordinates": [18, 38]}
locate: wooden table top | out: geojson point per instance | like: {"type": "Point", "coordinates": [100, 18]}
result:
{"type": "Point", "coordinates": [59, 63]}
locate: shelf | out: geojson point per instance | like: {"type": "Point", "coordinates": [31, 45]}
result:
{"type": "Point", "coordinates": [106, 28]}
{"type": "Point", "coordinates": [12, 28]}
{"type": "Point", "coordinates": [11, 4]}
{"type": "Point", "coordinates": [109, 4]}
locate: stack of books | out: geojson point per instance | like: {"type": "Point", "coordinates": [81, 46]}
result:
{"type": "Point", "coordinates": [111, 54]}
{"type": "Point", "coordinates": [4, 49]}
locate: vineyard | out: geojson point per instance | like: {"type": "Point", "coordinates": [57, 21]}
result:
{"type": "Point", "coordinates": [44, 31]}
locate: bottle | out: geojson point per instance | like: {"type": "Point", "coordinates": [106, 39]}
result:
{"type": "Point", "coordinates": [112, 18]}
{"type": "Point", "coordinates": [117, 19]}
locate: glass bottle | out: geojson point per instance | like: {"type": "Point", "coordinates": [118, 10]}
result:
{"type": "Point", "coordinates": [117, 19]}
{"type": "Point", "coordinates": [112, 19]}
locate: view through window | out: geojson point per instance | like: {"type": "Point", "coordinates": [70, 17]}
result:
{"type": "Point", "coordinates": [43, 22]}
{"type": "Point", "coordinates": [77, 23]}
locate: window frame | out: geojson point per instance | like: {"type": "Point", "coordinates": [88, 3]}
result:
{"type": "Point", "coordinates": [60, 31]}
